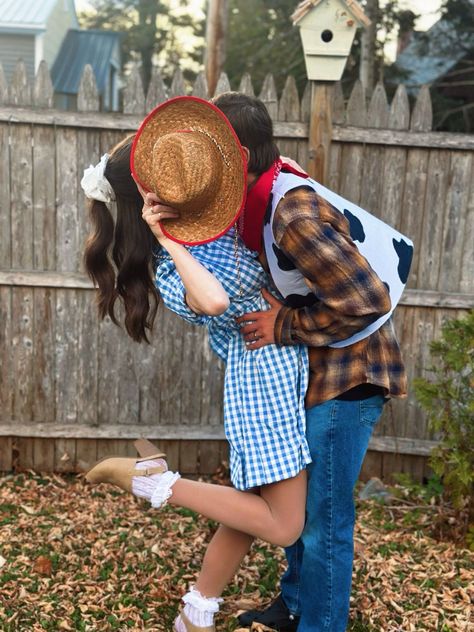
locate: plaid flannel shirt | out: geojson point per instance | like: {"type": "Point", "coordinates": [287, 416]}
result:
{"type": "Point", "coordinates": [315, 237]}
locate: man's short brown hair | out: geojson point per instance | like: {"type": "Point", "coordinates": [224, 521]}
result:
{"type": "Point", "coordinates": [252, 124]}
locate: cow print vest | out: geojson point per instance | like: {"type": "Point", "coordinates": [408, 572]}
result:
{"type": "Point", "coordinates": [388, 252]}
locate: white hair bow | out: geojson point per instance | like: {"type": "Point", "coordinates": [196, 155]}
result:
{"type": "Point", "coordinates": [95, 184]}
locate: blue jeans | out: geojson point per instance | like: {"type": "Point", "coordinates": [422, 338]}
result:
{"type": "Point", "coordinates": [317, 584]}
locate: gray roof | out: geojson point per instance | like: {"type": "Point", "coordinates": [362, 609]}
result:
{"type": "Point", "coordinates": [28, 14]}
{"type": "Point", "coordinates": [432, 54]}
{"type": "Point", "coordinates": [78, 49]}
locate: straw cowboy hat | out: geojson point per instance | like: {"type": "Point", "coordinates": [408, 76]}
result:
{"type": "Point", "coordinates": [187, 153]}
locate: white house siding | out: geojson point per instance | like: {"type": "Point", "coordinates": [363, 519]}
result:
{"type": "Point", "coordinates": [61, 19]}
{"type": "Point", "coordinates": [14, 47]}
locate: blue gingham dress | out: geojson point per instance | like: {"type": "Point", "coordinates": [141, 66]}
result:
{"type": "Point", "coordinates": [264, 390]}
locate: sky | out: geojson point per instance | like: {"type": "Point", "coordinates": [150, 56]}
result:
{"type": "Point", "coordinates": [428, 15]}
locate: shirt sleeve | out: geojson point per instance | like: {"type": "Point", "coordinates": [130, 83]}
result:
{"type": "Point", "coordinates": [173, 293]}
{"type": "Point", "coordinates": [350, 295]}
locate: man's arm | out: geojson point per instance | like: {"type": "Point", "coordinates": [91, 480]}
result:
{"type": "Point", "coordinates": [350, 295]}
{"type": "Point", "coordinates": [315, 237]}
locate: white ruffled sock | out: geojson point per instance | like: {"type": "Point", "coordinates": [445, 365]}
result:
{"type": "Point", "coordinates": [157, 487]}
{"type": "Point", "coordinates": [200, 610]}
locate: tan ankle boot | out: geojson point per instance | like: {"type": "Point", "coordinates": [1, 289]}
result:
{"type": "Point", "coordinates": [121, 470]}
{"type": "Point", "coordinates": [189, 627]}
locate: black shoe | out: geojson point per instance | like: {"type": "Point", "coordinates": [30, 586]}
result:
{"type": "Point", "coordinates": [276, 616]}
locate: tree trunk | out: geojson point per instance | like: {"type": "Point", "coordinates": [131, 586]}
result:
{"type": "Point", "coordinates": [367, 48]}
{"type": "Point", "coordinates": [216, 33]}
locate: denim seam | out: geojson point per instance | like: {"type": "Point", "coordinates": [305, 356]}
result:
{"type": "Point", "coordinates": [329, 534]}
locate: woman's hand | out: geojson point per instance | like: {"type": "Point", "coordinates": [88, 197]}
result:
{"type": "Point", "coordinates": [154, 211]}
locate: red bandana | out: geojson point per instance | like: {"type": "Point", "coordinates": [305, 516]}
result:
{"type": "Point", "coordinates": [251, 221]}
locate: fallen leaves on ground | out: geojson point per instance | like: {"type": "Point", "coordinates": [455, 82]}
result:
{"type": "Point", "coordinates": [74, 557]}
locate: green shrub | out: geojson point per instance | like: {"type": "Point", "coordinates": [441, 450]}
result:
{"type": "Point", "coordinates": [447, 396]}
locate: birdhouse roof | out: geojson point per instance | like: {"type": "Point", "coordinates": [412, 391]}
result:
{"type": "Point", "coordinates": [307, 5]}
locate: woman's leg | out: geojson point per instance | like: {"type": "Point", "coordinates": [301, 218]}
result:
{"type": "Point", "coordinates": [223, 557]}
{"type": "Point", "coordinates": [276, 515]}
{"type": "Point", "coordinates": [225, 553]}
{"type": "Point", "coordinates": [222, 560]}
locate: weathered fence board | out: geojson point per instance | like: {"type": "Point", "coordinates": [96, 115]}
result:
{"type": "Point", "coordinates": [88, 369]}
{"type": "Point", "coordinates": [88, 95]}
{"type": "Point", "coordinates": [457, 195]}
{"type": "Point", "coordinates": [373, 173]}
{"type": "Point", "coordinates": [44, 356]}
{"type": "Point", "coordinates": [422, 115]}
{"type": "Point", "coordinates": [21, 348]}
{"type": "Point", "coordinates": [5, 212]}
{"type": "Point", "coordinates": [289, 110]}
{"type": "Point", "coordinates": [171, 369]}
{"type": "Point", "coordinates": [3, 87]}
{"type": "Point", "coordinates": [44, 198]}
{"type": "Point", "coordinates": [68, 353]}
{"type": "Point", "coordinates": [299, 130]}
{"type": "Point", "coordinates": [193, 432]}
{"type": "Point", "coordinates": [20, 88]}
{"type": "Point", "coordinates": [43, 90]}
{"type": "Point", "coordinates": [6, 454]}
{"type": "Point", "coordinates": [467, 261]}
{"type": "Point", "coordinates": [413, 205]}
{"type": "Point", "coordinates": [21, 197]}
{"type": "Point", "coordinates": [433, 219]}
{"type": "Point", "coordinates": [74, 389]}
{"type": "Point", "coordinates": [6, 360]}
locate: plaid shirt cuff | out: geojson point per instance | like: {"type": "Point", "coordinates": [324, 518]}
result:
{"type": "Point", "coordinates": [283, 327]}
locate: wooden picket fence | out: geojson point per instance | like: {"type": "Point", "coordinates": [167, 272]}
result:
{"type": "Point", "coordinates": [73, 389]}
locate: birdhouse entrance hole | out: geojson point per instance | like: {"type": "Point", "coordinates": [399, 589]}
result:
{"type": "Point", "coordinates": [327, 35]}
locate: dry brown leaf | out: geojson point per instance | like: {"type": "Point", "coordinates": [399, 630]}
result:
{"type": "Point", "coordinates": [246, 604]}
{"type": "Point", "coordinates": [43, 565]}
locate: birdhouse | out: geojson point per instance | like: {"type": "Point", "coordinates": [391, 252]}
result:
{"type": "Point", "coordinates": [327, 30]}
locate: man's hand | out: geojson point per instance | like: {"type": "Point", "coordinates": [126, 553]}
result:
{"type": "Point", "coordinates": [258, 328]}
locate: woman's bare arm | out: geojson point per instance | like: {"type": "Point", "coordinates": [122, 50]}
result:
{"type": "Point", "coordinates": [204, 292]}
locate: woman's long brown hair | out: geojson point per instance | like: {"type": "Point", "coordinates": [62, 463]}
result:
{"type": "Point", "coordinates": [118, 254]}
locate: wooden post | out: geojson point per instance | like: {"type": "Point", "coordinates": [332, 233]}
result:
{"type": "Point", "coordinates": [320, 130]}
{"type": "Point", "coordinates": [215, 42]}
{"type": "Point", "coordinates": [368, 39]}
